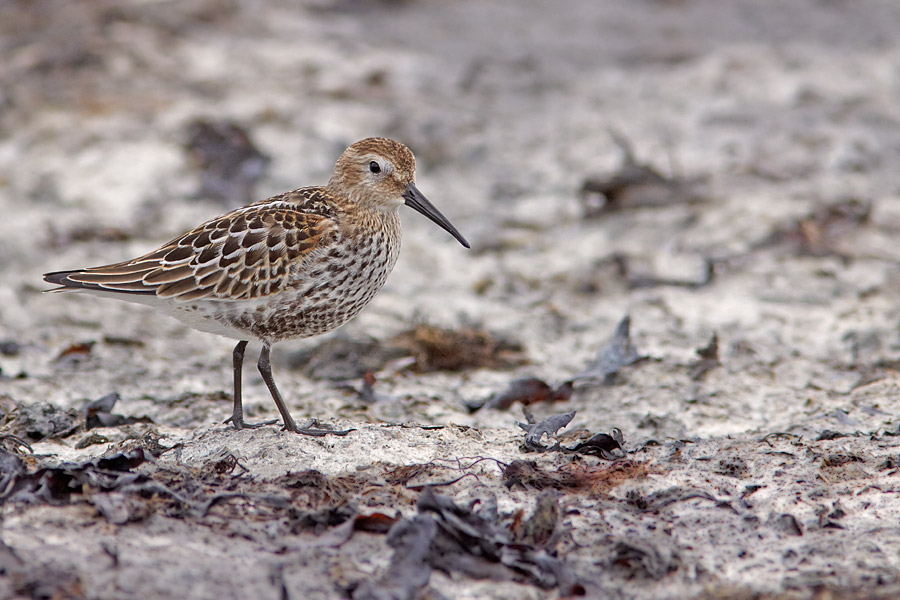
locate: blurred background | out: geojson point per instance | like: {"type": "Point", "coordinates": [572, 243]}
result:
{"type": "Point", "coordinates": [724, 172]}
{"type": "Point", "coordinates": [707, 166]}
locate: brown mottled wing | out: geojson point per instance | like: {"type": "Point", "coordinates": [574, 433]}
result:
{"type": "Point", "coordinates": [245, 254]}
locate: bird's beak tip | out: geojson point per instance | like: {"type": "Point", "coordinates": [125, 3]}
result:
{"type": "Point", "coordinates": [414, 199]}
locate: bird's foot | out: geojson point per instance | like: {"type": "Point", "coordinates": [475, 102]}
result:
{"type": "Point", "coordinates": [239, 423]}
{"type": "Point", "coordinates": [312, 428]}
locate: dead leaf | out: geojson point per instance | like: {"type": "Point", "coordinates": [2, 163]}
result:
{"type": "Point", "coordinates": [615, 354]}
{"type": "Point", "coordinates": [79, 350]}
{"type": "Point", "coordinates": [549, 427]}
{"type": "Point", "coordinates": [709, 359]}
{"type": "Point", "coordinates": [526, 391]}
{"type": "Point", "coordinates": [439, 349]}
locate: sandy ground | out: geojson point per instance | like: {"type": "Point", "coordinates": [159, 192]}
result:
{"type": "Point", "coordinates": [761, 207]}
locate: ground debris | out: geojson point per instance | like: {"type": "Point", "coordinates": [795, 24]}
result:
{"type": "Point", "coordinates": [409, 570]}
{"type": "Point", "coordinates": [643, 558]}
{"type": "Point", "coordinates": [422, 349]}
{"type": "Point", "coordinates": [98, 413]}
{"type": "Point", "coordinates": [75, 352]}
{"type": "Point", "coordinates": [225, 464]}
{"type": "Point", "coordinates": [454, 539]}
{"type": "Point", "coordinates": [786, 523]}
{"type": "Point", "coordinates": [119, 508]}
{"type": "Point", "coordinates": [378, 523]}
{"type": "Point", "coordinates": [403, 474]}
{"type": "Point", "coordinates": [374, 522]}
{"type": "Point", "coordinates": [608, 446]}
{"type": "Point", "coordinates": [529, 390]}
{"type": "Point", "coordinates": [618, 352]}
{"type": "Point", "coordinates": [708, 359]}
{"type": "Point", "coordinates": [230, 165]}
{"type": "Point", "coordinates": [821, 232]}
{"type": "Point", "coordinates": [10, 443]}
{"type": "Point", "coordinates": [364, 389]}
{"type": "Point", "coordinates": [572, 477]}
{"type": "Point", "coordinates": [57, 485]}
{"type": "Point", "coordinates": [115, 340]}
{"type": "Point", "coordinates": [658, 500]}
{"type": "Point", "coordinates": [636, 278]}
{"type": "Point", "coordinates": [317, 502]}
{"type": "Point", "coordinates": [339, 359]}
{"type": "Point", "coordinates": [840, 459]}
{"type": "Point", "coordinates": [635, 185]}
{"type": "Point", "coordinates": [39, 581]}
{"type": "Point", "coordinates": [731, 466]}
{"type": "Point", "coordinates": [321, 518]}
{"type": "Point", "coordinates": [38, 421]}
{"type": "Point", "coordinates": [10, 347]}
{"type": "Point", "coordinates": [549, 426]}
{"type": "Point", "coordinates": [317, 487]}
{"type": "Point", "coordinates": [440, 349]}
{"type": "Point", "coordinates": [538, 529]}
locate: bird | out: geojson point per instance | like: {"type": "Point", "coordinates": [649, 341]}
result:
{"type": "Point", "coordinates": [295, 265]}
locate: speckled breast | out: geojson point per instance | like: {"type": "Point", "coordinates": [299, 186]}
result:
{"type": "Point", "coordinates": [328, 293]}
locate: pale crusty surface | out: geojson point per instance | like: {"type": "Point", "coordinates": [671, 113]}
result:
{"type": "Point", "coordinates": [788, 109]}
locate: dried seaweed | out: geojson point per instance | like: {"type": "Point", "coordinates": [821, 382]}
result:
{"type": "Point", "coordinates": [454, 539]}
{"type": "Point", "coordinates": [440, 349]}
{"type": "Point", "coordinates": [786, 523]}
{"type": "Point", "coordinates": [10, 347]}
{"type": "Point", "coordinates": [57, 485]}
{"type": "Point", "coordinates": [99, 414]}
{"type": "Point", "coordinates": [38, 421]}
{"type": "Point", "coordinates": [549, 426]}
{"type": "Point", "coordinates": [572, 477]}
{"type": "Point", "coordinates": [230, 164]}
{"type": "Point", "coordinates": [708, 359]}
{"type": "Point", "coordinates": [644, 558]}
{"type": "Point", "coordinates": [339, 359]}
{"type": "Point", "coordinates": [821, 232]}
{"type": "Point", "coordinates": [11, 443]}
{"type": "Point", "coordinates": [610, 446]}
{"type": "Point", "coordinates": [526, 391]}
{"type": "Point", "coordinates": [409, 569]}
{"type": "Point", "coordinates": [424, 348]}
{"type": "Point", "coordinates": [540, 528]}
{"type": "Point", "coordinates": [618, 352]}
{"type": "Point", "coordinates": [635, 185]}
{"type": "Point", "coordinates": [75, 352]}
{"type": "Point", "coordinates": [658, 500]}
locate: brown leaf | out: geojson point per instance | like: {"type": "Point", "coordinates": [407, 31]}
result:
{"type": "Point", "coordinates": [439, 349]}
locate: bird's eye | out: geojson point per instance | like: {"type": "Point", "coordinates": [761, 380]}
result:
{"type": "Point", "coordinates": [374, 167]}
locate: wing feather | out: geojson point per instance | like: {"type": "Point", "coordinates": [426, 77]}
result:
{"type": "Point", "coordinates": [245, 254]}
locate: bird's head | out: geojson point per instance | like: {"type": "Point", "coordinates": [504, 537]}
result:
{"type": "Point", "coordinates": [380, 174]}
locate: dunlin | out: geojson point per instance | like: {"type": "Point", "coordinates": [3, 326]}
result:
{"type": "Point", "coordinates": [295, 265]}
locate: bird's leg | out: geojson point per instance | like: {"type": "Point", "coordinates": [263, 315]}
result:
{"type": "Point", "coordinates": [265, 369]}
{"type": "Point", "coordinates": [237, 415]}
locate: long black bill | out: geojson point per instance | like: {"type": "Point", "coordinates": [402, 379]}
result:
{"type": "Point", "coordinates": [417, 201]}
